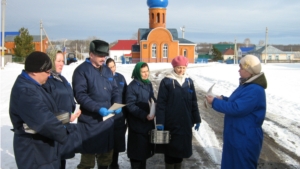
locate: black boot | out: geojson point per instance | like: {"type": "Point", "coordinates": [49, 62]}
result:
{"type": "Point", "coordinates": [177, 166]}
{"type": "Point", "coordinates": [102, 167]}
{"type": "Point", "coordinates": [135, 165]}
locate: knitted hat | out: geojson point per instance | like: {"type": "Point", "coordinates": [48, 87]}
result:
{"type": "Point", "coordinates": [180, 61]}
{"type": "Point", "coordinates": [37, 62]}
{"type": "Point", "coordinates": [251, 64]}
{"type": "Point", "coordinates": [99, 47]}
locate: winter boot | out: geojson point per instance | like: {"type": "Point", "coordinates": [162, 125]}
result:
{"type": "Point", "coordinates": [177, 166]}
{"type": "Point", "coordinates": [169, 166]}
{"type": "Point", "coordinates": [135, 165]}
{"type": "Point", "coordinates": [102, 167]}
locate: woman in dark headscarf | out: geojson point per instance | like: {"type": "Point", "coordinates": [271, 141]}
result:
{"type": "Point", "coordinates": [138, 95]}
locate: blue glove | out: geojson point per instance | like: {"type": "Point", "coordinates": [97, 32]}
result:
{"type": "Point", "coordinates": [104, 112]}
{"type": "Point", "coordinates": [197, 126]}
{"type": "Point", "coordinates": [160, 127]}
{"type": "Point", "coordinates": [118, 110]}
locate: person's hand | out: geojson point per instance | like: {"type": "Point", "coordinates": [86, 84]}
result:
{"type": "Point", "coordinates": [209, 99]}
{"type": "Point", "coordinates": [119, 110]}
{"type": "Point", "coordinates": [219, 97]}
{"type": "Point", "coordinates": [160, 127]}
{"type": "Point", "coordinates": [197, 126]}
{"type": "Point", "coordinates": [75, 115]}
{"type": "Point", "coordinates": [104, 112]}
{"type": "Point", "coordinates": [150, 117]}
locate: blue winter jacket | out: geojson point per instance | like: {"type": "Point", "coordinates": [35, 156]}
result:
{"type": "Point", "coordinates": [61, 91]}
{"type": "Point", "coordinates": [93, 89]}
{"type": "Point", "coordinates": [245, 111]}
{"type": "Point", "coordinates": [119, 119]}
{"type": "Point", "coordinates": [31, 104]}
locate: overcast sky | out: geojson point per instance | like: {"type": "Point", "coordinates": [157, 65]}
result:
{"type": "Point", "coordinates": [209, 21]}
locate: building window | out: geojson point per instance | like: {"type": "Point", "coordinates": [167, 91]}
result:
{"type": "Point", "coordinates": [153, 50]}
{"type": "Point", "coordinates": [277, 57]}
{"type": "Point", "coordinates": [165, 51]}
{"type": "Point", "coordinates": [115, 58]}
{"type": "Point", "coordinates": [158, 18]}
{"type": "Point", "coordinates": [145, 46]}
{"type": "Point", "coordinates": [270, 57]}
{"type": "Point", "coordinates": [184, 53]}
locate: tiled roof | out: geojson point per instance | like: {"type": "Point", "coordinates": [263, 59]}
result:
{"type": "Point", "coordinates": [36, 38]}
{"type": "Point", "coordinates": [228, 52]}
{"type": "Point", "coordinates": [124, 45]}
{"type": "Point", "coordinates": [223, 47]}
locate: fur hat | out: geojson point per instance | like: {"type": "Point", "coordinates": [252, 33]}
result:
{"type": "Point", "coordinates": [180, 61]}
{"type": "Point", "coordinates": [99, 47]}
{"type": "Point", "coordinates": [251, 64]}
{"type": "Point", "coordinates": [37, 62]}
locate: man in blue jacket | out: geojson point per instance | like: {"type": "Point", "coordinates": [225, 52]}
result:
{"type": "Point", "coordinates": [96, 90]}
{"type": "Point", "coordinates": [32, 107]}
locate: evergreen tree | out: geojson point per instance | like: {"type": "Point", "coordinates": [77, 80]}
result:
{"type": "Point", "coordinates": [23, 43]}
{"type": "Point", "coordinates": [217, 55]}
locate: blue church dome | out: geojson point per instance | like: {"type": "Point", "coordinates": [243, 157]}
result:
{"type": "Point", "coordinates": [157, 3]}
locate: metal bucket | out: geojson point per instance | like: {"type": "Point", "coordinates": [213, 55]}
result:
{"type": "Point", "coordinates": [159, 136]}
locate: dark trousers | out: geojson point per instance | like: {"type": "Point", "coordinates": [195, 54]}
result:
{"type": "Point", "coordinates": [172, 160]}
{"type": "Point", "coordinates": [137, 164]}
{"type": "Point", "coordinates": [63, 164]}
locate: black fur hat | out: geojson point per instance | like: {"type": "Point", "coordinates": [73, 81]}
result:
{"type": "Point", "coordinates": [99, 47]}
{"type": "Point", "coordinates": [37, 62]}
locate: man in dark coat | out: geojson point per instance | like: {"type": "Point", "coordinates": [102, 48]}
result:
{"type": "Point", "coordinates": [31, 106]}
{"type": "Point", "coordinates": [96, 90]}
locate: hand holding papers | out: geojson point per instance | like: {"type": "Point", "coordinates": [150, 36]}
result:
{"type": "Point", "coordinates": [152, 105]}
{"type": "Point", "coordinates": [114, 107]}
{"type": "Point", "coordinates": [209, 93]}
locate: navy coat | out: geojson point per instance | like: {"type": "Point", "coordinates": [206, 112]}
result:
{"type": "Point", "coordinates": [137, 97]}
{"type": "Point", "coordinates": [245, 111]}
{"type": "Point", "coordinates": [61, 91]}
{"type": "Point", "coordinates": [119, 119]}
{"type": "Point", "coordinates": [177, 110]}
{"type": "Point", "coordinates": [93, 89]}
{"type": "Point", "coordinates": [31, 104]}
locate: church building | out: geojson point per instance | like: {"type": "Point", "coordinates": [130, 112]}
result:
{"type": "Point", "coordinates": [158, 43]}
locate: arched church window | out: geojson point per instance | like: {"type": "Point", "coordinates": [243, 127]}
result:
{"type": "Point", "coordinates": [184, 53]}
{"type": "Point", "coordinates": [153, 50]}
{"type": "Point", "coordinates": [158, 18]}
{"type": "Point", "coordinates": [165, 51]}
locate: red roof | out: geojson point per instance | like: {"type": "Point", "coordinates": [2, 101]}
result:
{"type": "Point", "coordinates": [124, 45]}
{"type": "Point", "coordinates": [228, 52]}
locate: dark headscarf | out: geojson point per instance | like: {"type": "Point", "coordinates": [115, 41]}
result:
{"type": "Point", "coordinates": [136, 73]}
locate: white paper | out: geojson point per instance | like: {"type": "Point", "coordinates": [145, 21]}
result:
{"type": "Point", "coordinates": [152, 106]}
{"type": "Point", "coordinates": [108, 116]}
{"type": "Point", "coordinates": [116, 106]}
{"type": "Point", "coordinates": [209, 93]}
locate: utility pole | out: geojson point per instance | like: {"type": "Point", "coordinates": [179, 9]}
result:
{"type": "Point", "coordinates": [41, 28]}
{"type": "Point", "coordinates": [235, 53]}
{"type": "Point", "coordinates": [3, 32]}
{"type": "Point", "coordinates": [65, 51]}
{"type": "Point", "coordinates": [266, 46]}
